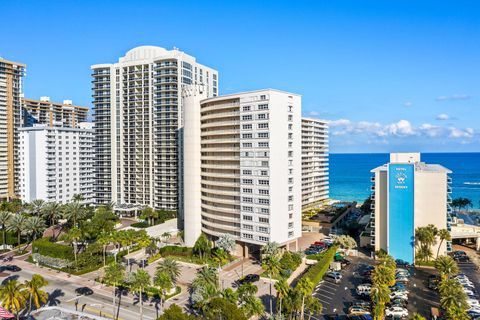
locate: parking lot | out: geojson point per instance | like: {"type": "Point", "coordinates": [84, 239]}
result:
{"type": "Point", "coordinates": [338, 297]}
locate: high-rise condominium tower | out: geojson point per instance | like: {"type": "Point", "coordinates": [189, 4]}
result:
{"type": "Point", "coordinates": [138, 112]}
{"type": "Point", "coordinates": [314, 162]}
{"type": "Point", "coordinates": [11, 74]}
{"type": "Point", "coordinates": [53, 114]}
{"type": "Point", "coordinates": [243, 167]}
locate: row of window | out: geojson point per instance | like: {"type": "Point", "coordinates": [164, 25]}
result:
{"type": "Point", "coordinates": [260, 116]}
{"type": "Point", "coordinates": [261, 135]}
{"type": "Point", "coordinates": [250, 237]}
{"type": "Point", "coordinates": [249, 172]}
{"type": "Point", "coordinates": [261, 125]}
{"type": "Point", "coordinates": [265, 192]}
{"type": "Point", "coordinates": [260, 181]}
{"type": "Point", "coordinates": [258, 229]}
{"type": "Point", "coordinates": [259, 107]}
{"type": "Point", "coordinates": [259, 210]}
{"type": "Point", "coordinates": [258, 201]}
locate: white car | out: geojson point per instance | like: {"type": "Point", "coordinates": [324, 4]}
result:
{"type": "Point", "coordinates": [465, 282]}
{"type": "Point", "coordinates": [398, 295]}
{"type": "Point", "coordinates": [468, 292]}
{"type": "Point", "coordinates": [396, 312]}
{"type": "Point", "coordinates": [473, 303]}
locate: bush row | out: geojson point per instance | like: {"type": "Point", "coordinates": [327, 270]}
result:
{"type": "Point", "coordinates": [175, 251]}
{"type": "Point", "coordinates": [316, 272]}
{"type": "Point", "coordinates": [44, 247]}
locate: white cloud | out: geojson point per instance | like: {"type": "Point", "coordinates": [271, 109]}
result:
{"type": "Point", "coordinates": [313, 114]}
{"type": "Point", "coordinates": [443, 116]}
{"type": "Point", "coordinates": [454, 97]}
{"type": "Point", "coordinates": [461, 133]}
{"type": "Point", "coordinates": [401, 128]}
{"type": "Point", "coordinates": [339, 123]}
{"type": "Point", "coordinates": [408, 104]}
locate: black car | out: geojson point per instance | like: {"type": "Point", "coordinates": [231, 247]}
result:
{"type": "Point", "coordinates": [249, 278]}
{"type": "Point", "coordinates": [362, 304]}
{"type": "Point", "coordinates": [461, 258]}
{"type": "Point", "coordinates": [84, 291]}
{"type": "Point", "coordinates": [13, 268]}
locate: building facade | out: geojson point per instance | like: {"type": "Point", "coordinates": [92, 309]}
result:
{"type": "Point", "coordinates": [138, 115]}
{"type": "Point", "coordinates": [11, 74]}
{"type": "Point", "coordinates": [408, 194]}
{"type": "Point", "coordinates": [56, 163]}
{"type": "Point", "coordinates": [314, 162]}
{"type": "Point", "coordinates": [243, 174]}
{"type": "Point", "coordinates": [53, 114]}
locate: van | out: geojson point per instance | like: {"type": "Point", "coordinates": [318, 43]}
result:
{"type": "Point", "coordinates": [364, 289]}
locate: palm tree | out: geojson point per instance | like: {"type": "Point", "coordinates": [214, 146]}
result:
{"type": "Point", "coordinates": [73, 236]}
{"type": "Point", "coordinates": [246, 289]}
{"type": "Point", "coordinates": [253, 306]}
{"type": "Point", "coordinates": [17, 224]}
{"type": "Point", "coordinates": [141, 279]}
{"type": "Point", "coordinates": [444, 235]}
{"type": "Point", "coordinates": [313, 305]}
{"type": "Point", "coordinates": [446, 266]}
{"type": "Point", "coordinates": [304, 288]}
{"type": "Point", "coordinates": [457, 313]}
{"type": "Point", "coordinates": [4, 218]}
{"type": "Point", "coordinates": [380, 295]}
{"type": "Point", "coordinates": [114, 274]}
{"type": "Point", "coordinates": [12, 297]}
{"type": "Point", "coordinates": [35, 294]}
{"type": "Point", "coordinates": [171, 268]}
{"type": "Point", "coordinates": [206, 276]}
{"type": "Point", "coordinates": [271, 249]}
{"type": "Point", "coordinates": [452, 295]}
{"type": "Point", "coordinates": [51, 212]}
{"type": "Point", "coordinates": [164, 282]}
{"type": "Point", "coordinates": [166, 236]}
{"type": "Point", "coordinates": [417, 316]}
{"type": "Point", "coordinates": [34, 226]}
{"type": "Point", "coordinates": [283, 289]}
{"type": "Point", "coordinates": [271, 265]}
{"type": "Point", "coordinates": [73, 211]}
{"type": "Point", "coordinates": [202, 246]}
{"type": "Point", "coordinates": [36, 207]}
{"type": "Point", "coordinates": [78, 198]}
{"type": "Point", "coordinates": [383, 275]}
{"type": "Point", "coordinates": [104, 239]}
{"type": "Point", "coordinates": [230, 295]}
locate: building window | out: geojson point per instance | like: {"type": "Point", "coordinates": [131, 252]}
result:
{"type": "Point", "coordinates": [264, 172]}
{"type": "Point", "coordinates": [263, 191]}
{"type": "Point", "coordinates": [247, 117]}
{"type": "Point", "coordinates": [290, 207]}
{"type": "Point", "coordinates": [290, 225]}
{"type": "Point", "coordinates": [246, 108]}
{"type": "Point", "coordinates": [247, 126]}
{"type": "Point", "coordinates": [247, 236]}
{"type": "Point", "coordinates": [264, 210]}
{"type": "Point", "coordinates": [262, 116]}
{"type": "Point", "coordinates": [247, 145]}
{"type": "Point", "coordinates": [262, 229]}
{"type": "Point", "coordinates": [247, 227]}
{"type": "Point", "coordinates": [246, 190]}
{"type": "Point", "coordinates": [263, 125]}
{"type": "Point", "coordinates": [263, 135]}
{"type": "Point", "coordinates": [247, 199]}
{"type": "Point", "coordinates": [290, 117]}
{"type": "Point", "coordinates": [264, 239]}
{"type": "Point", "coordinates": [247, 136]}
{"type": "Point", "coordinates": [263, 220]}
{"type": "Point", "coordinates": [263, 144]}
{"type": "Point", "coordinates": [263, 182]}
{"type": "Point", "coordinates": [248, 218]}
{"type": "Point", "coordinates": [290, 234]}
{"type": "Point", "coordinates": [263, 107]}
{"type": "Point", "coordinates": [248, 209]}
{"type": "Point", "coordinates": [249, 172]}
{"type": "Point", "coordinates": [263, 201]}
{"type": "Point", "coordinates": [247, 181]}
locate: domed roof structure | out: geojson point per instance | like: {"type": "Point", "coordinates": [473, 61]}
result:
{"type": "Point", "coordinates": [143, 52]}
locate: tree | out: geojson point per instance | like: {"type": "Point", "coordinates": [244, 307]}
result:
{"type": "Point", "coordinates": [446, 266]}
{"type": "Point", "coordinates": [271, 249]}
{"type": "Point", "coordinates": [35, 294]}
{"type": "Point", "coordinates": [380, 295]}
{"type": "Point", "coordinates": [104, 239]}
{"type": "Point", "coordinates": [313, 305]}
{"type": "Point", "coordinates": [207, 276]}
{"type": "Point", "coordinates": [457, 313]}
{"type": "Point", "coordinates": [283, 289]}
{"type": "Point", "coordinates": [52, 211]}
{"type": "Point", "coordinates": [114, 274]}
{"type": "Point", "coordinates": [149, 214]}
{"type": "Point", "coordinates": [163, 282]}
{"type": "Point", "coordinates": [452, 295]}
{"type": "Point", "coordinates": [35, 207]}
{"type": "Point", "coordinates": [444, 235]}
{"type": "Point", "coordinates": [383, 275]}
{"type": "Point", "coordinates": [4, 218]}
{"type": "Point", "coordinates": [141, 279]}
{"type": "Point", "coordinates": [17, 224]}
{"type": "Point", "coordinates": [417, 316]}
{"type": "Point", "coordinates": [252, 306]}
{"type": "Point", "coordinates": [426, 238]}
{"type": "Point", "coordinates": [226, 243]}
{"type": "Point", "coordinates": [72, 211]}
{"type": "Point", "coordinates": [346, 242]}
{"type": "Point", "coordinates": [73, 236]}
{"type": "Point", "coordinates": [222, 309]}
{"type": "Point", "coordinates": [202, 246]}
{"type": "Point", "coordinates": [204, 287]}
{"type": "Point", "coordinates": [12, 297]}
{"type": "Point", "coordinates": [78, 198]}
{"type": "Point", "coordinates": [304, 288]}
{"type": "Point", "coordinates": [34, 226]}
{"type": "Point", "coordinates": [166, 236]}
{"type": "Point", "coordinates": [170, 267]}
{"type": "Point", "coordinates": [174, 312]}
{"type": "Point", "coordinates": [271, 265]}
{"type": "Point", "coordinates": [245, 290]}
{"type": "Point", "coordinates": [230, 295]}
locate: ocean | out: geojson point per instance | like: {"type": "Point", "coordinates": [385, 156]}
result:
{"type": "Point", "coordinates": [350, 174]}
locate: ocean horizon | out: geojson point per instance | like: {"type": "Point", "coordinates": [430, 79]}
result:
{"type": "Point", "coordinates": [350, 173]}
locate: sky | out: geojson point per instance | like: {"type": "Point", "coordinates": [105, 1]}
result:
{"type": "Point", "coordinates": [388, 75]}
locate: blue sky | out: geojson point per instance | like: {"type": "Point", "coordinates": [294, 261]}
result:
{"type": "Point", "coordinates": [390, 75]}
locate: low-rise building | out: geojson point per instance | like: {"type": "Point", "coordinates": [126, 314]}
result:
{"type": "Point", "coordinates": [53, 114]}
{"type": "Point", "coordinates": [56, 163]}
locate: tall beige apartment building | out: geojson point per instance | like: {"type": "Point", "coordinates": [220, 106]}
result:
{"type": "Point", "coordinates": [242, 162]}
{"type": "Point", "coordinates": [314, 162]}
{"type": "Point", "coordinates": [52, 114]}
{"type": "Point", "coordinates": [11, 74]}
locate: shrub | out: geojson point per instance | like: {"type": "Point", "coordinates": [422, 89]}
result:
{"type": "Point", "coordinates": [45, 247]}
{"type": "Point", "coordinates": [175, 251]}
{"type": "Point", "coordinates": [51, 261]}
{"type": "Point", "coordinates": [316, 272]}
{"type": "Point", "coordinates": [141, 224]}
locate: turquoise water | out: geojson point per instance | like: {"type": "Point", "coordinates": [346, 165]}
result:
{"type": "Point", "coordinates": [350, 174]}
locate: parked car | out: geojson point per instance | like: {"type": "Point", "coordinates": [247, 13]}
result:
{"type": "Point", "coordinates": [473, 303]}
{"type": "Point", "coordinates": [402, 263]}
{"type": "Point", "coordinates": [333, 276]}
{"type": "Point", "coordinates": [249, 278]}
{"type": "Point", "coordinates": [363, 289]}
{"type": "Point", "coordinates": [401, 279]}
{"type": "Point", "coordinates": [361, 304]}
{"type": "Point", "coordinates": [399, 303]}
{"type": "Point", "coordinates": [469, 292]}
{"type": "Point", "coordinates": [357, 311]}
{"type": "Point", "coordinates": [398, 295]}
{"type": "Point", "coordinates": [461, 258]}
{"type": "Point", "coordinates": [396, 312]}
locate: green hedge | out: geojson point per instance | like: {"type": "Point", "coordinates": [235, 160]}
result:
{"type": "Point", "coordinates": [141, 224]}
{"type": "Point", "coordinates": [44, 247]}
{"type": "Point", "coordinates": [176, 251]}
{"type": "Point", "coordinates": [316, 272]}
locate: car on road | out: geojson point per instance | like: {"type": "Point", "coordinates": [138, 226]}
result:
{"type": "Point", "coordinates": [249, 278]}
{"type": "Point", "coordinates": [402, 263]}
{"type": "Point", "coordinates": [364, 289]}
{"type": "Point", "coordinates": [396, 312]}
{"type": "Point", "coordinates": [12, 268]}
{"type": "Point", "coordinates": [461, 258]}
{"type": "Point", "coordinates": [333, 276]}
{"type": "Point", "coordinates": [361, 304]}
{"type": "Point", "coordinates": [398, 295]}
{"type": "Point", "coordinates": [84, 291]}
